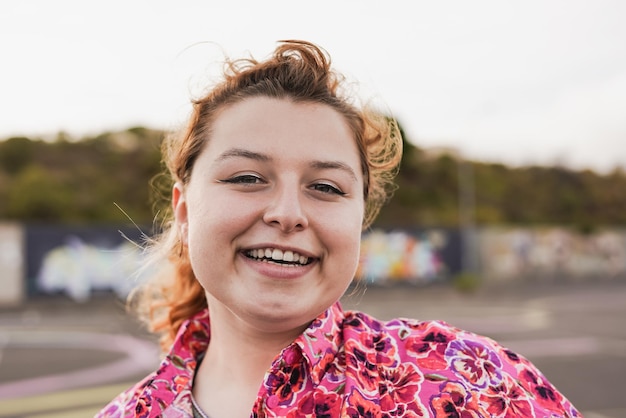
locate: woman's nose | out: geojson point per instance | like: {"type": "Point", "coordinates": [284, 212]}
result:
{"type": "Point", "coordinates": [285, 210]}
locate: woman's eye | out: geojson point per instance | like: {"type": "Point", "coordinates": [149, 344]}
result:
{"type": "Point", "coordinates": [244, 179]}
{"type": "Point", "coordinates": [328, 189]}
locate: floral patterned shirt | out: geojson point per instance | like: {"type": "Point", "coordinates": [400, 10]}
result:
{"type": "Point", "coordinates": [348, 364]}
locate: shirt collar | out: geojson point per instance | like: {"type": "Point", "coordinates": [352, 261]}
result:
{"type": "Point", "coordinates": [175, 376]}
{"type": "Point", "coordinates": [193, 337]}
{"type": "Point", "coordinates": [321, 341]}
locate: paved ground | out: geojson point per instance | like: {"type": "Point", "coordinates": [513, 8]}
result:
{"type": "Point", "coordinates": [60, 359]}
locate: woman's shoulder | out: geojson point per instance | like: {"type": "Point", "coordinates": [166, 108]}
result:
{"type": "Point", "coordinates": [403, 328]}
{"type": "Point", "coordinates": [414, 338]}
{"type": "Point", "coordinates": [445, 358]}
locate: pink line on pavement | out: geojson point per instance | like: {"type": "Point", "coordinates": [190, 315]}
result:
{"type": "Point", "coordinates": [138, 356]}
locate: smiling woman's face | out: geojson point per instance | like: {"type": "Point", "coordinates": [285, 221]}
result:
{"type": "Point", "coordinates": [273, 211]}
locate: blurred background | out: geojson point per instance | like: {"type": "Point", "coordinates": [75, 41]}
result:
{"type": "Point", "coordinates": [509, 219]}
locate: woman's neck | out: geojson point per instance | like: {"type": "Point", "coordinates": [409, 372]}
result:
{"type": "Point", "coordinates": [236, 360]}
{"type": "Point", "coordinates": [252, 349]}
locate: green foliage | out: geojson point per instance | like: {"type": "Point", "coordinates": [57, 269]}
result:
{"type": "Point", "coordinates": [15, 154]}
{"type": "Point", "coordinates": [36, 194]}
{"type": "Point", "coordinates": [428, 194]}
{"type": "Point", "coordinates": [82, 180]}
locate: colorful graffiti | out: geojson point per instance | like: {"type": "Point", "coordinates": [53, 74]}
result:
{"type": "Point", "coordinates": [403, 256]}
{"type": "Point", "coordinates": [78, 269]}
{"type": "Point", "coordinates": [551, 253]}
{"type": "Point", "coordinates": [79, 261]}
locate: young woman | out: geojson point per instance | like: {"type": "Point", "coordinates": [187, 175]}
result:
{"type": "Point", "coordinates": [274, 179]}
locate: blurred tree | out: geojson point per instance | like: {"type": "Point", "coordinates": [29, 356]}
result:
{"type": "Point", "coordinates": [15, 154]}
{"type": "Point", "coordinates": [36, 195]}
{"type": "Point", "coordinates": [82, 180]}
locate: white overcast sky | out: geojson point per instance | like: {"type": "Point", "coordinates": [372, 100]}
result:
{"type": "Point", "coordinates": [519, 82]}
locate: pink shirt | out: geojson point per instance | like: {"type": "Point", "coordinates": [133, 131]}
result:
{"type": "Point", "coordinates": [348, 364]}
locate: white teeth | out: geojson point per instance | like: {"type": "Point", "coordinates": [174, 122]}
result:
{"type": "Point", "coordinates": [278, 255]}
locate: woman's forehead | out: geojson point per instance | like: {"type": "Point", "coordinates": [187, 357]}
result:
{"type": "Point", "coordinates": [276, 126]}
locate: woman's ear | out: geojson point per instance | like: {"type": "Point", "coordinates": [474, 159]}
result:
{"type": "Point", "coordinates": [179, 206]}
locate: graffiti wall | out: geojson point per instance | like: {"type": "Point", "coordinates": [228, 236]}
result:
{"type": "Point", "coordinates": [81, 260]}
{"type": "Point", "coordinates": [409, 256]}
{"type": "Point", "coordinates": [551, 254]}
{"type": "Point", "coordinates": [78, 261]}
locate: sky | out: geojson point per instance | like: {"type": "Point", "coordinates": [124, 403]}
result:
{"type": "Point", "coordinates": [517, 82]}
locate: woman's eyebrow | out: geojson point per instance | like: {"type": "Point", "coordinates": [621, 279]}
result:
{"type": "Point", "coordinates": [243, 153]}
{"type": "Point", "coordinates": [257, 156]}
{"type": "Point", "coordinates": [334, 165]}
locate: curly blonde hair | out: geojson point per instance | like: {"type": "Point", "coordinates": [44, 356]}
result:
{"type": "Point", "coordinates": [299, 71]}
